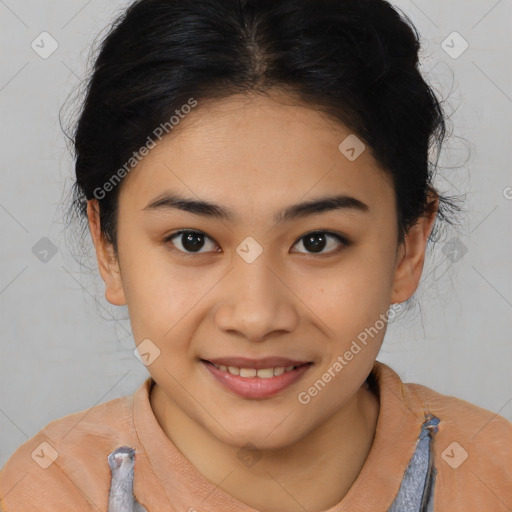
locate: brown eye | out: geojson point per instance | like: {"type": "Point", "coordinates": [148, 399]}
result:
{"type": "Point", "coordinates": [190, 241]}
{"type": "Point", "coordinates": [315, 242]}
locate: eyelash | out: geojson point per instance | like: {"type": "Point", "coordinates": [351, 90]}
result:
{"type": "Point", "coordinates": [340, 238]}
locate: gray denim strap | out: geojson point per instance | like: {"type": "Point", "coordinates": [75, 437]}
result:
{"type": "Point", "coordinates": [416, 493]}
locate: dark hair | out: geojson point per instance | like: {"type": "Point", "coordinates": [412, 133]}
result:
{"type": "Point", "coordinates": [354, 60]}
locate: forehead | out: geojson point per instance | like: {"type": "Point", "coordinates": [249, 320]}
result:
{"type": "Point", "coordinates": [257, 149]}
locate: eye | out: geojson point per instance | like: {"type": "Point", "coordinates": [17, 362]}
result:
{"type": "Point", "coordinates": [190, 241]}
{"type": "Point", "coordinates": [314, 242]}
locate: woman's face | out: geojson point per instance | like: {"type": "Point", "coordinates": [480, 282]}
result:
{"type": "Point", "coordinates": [257, 282]}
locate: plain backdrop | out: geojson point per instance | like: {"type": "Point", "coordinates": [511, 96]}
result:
{"type": "Point", "coordinates": [64, 348]}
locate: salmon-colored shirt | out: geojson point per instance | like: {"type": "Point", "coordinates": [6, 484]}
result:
{"type": "Point", "coordinates": [64, 467]}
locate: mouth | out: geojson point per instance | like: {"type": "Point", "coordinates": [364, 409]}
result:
{"type": "Point", "coordinates": [258, 379]}
{"type": "Point", "coordinates": [262, 368]}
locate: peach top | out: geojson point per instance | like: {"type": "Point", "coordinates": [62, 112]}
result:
{"type": "Point", "coordinates": [64, 467]}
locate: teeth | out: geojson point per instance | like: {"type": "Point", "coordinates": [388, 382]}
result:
{"type": "Point", "coordinates": [264, 373]}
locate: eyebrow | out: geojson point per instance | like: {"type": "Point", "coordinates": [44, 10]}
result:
{"type": "Point", "coordinates": [174, 201]}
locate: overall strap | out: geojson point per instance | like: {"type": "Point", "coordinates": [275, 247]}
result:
{"type": "Point", "coordinates": [416, 493]}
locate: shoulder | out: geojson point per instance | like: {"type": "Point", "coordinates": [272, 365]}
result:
{"type": "Point", "coordinates": [461, 418]}
{"type": "Point", "coordinates": [63, 467]}
{"type": "Point", "coordinates": [458, 418]}
{"type": "Point", "coordinates": [472, 450]}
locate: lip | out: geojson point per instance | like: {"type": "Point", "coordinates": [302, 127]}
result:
{"type": "Point", "coordinates": [264, 362]}
{"type": "Point", "coordinates": [257, 387]}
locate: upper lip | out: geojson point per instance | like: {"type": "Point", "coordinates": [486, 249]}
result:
{"type": "Point", "coordinates": [265, 362]}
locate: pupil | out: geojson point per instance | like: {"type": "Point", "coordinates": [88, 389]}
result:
{"type": "Point", "coordinates": [195, 241]}
{"type": "Point", "coordinates": [311, 242]}
{"type": "Point", "coordinates": [191, 243]}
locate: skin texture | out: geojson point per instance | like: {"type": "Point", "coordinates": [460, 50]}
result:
{"type": "Point", "coordinates": [257, 155]}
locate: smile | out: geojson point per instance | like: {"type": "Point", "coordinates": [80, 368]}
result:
{"type": "Point", "coordinates": [263, 373]}
{"type": "Point", "coordinates": [256, 382]}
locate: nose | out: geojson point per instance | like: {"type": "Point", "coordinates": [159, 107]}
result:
{"type": "Point", "coordinates": [257, 302]}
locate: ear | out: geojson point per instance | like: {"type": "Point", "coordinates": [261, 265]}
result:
{"type": "Point", "coordinates": [411, 254]}
{"type": "Point", "coordinates": [108, 264]}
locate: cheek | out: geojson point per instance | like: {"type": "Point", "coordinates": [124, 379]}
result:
{"type": "Point", "coordinates": [345, 297]}
{"type": "Point", "coordinates": [352, 302]}
{"type": "Point", "coordinates": [153, 290]}
{"type": "Point", "coordinates": [162, 295]}
{"type": "Point", "coordinates": [351, 295]}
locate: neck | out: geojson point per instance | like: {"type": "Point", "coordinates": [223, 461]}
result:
{"type": "Point", "coordinates": [313, 474]}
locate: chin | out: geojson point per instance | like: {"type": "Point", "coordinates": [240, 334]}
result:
{"type": "Point", "coordinates": [256, 437]}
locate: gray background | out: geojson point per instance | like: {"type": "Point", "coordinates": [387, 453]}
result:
{"type": "Point", "coordinates": [65, 349]}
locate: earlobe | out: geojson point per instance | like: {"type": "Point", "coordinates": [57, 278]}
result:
{"type": "Point", "coordinates": [411, 254]}
{"type": "Point", "coordinates": [108, 264]}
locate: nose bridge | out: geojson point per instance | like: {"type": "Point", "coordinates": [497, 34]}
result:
{"type": "Point", "coordinates": [252, 265]}
{"type": "Point", "coordinates": [255, 284]}
{"type": "Point", "coordinates": [257, 302]}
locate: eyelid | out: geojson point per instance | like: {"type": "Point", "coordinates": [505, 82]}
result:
{"type": "Point", "coordinates": [345, 242]}
{"type": "Point", "coordinates": [168, 239]}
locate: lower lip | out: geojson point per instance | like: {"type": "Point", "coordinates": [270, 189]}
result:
{"type": "Point", "coordinates": [256, 387]}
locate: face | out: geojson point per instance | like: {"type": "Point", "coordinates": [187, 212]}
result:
{"type": "Point", "coordinates": [256, 283]}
